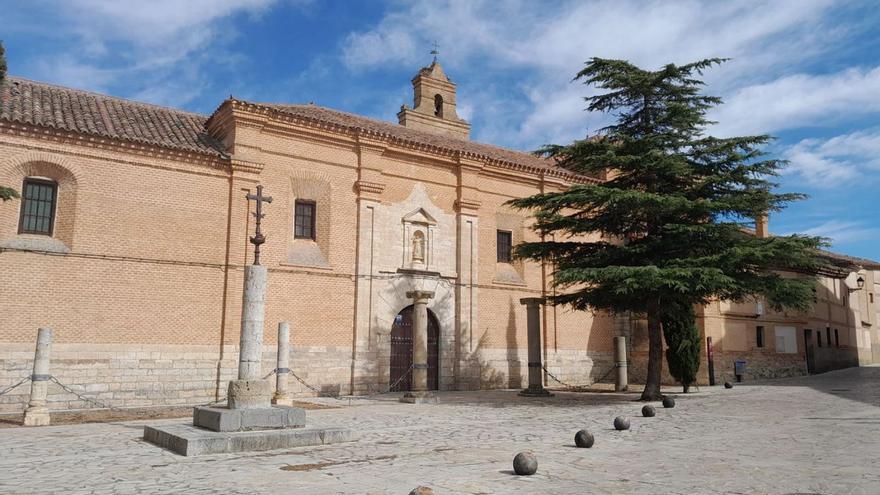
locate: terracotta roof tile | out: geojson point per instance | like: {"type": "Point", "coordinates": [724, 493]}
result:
{"type": "Point", "coordinates": [29, 102]}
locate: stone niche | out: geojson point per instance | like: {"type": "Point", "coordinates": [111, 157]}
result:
{"type": "Point", "coordinates": [418, 234]}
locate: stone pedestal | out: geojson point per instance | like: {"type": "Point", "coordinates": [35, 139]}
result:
{"type": "Point", "coordinates": [419, 392]}
{"type": "Point", "coordinates": [37, 414]}
{"type": "Point", "coordinates": [249, 421]}
{"type": "Point", "coordinates": [533, 322]}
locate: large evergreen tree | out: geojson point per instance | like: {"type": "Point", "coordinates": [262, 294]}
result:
{"type": "Point", "coordinates": [6, 193]}
{"type": "Point", "coordinates": [672, 212]}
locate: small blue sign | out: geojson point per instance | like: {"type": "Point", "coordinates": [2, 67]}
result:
{"type": "Point", "coordinates": [739, 367]}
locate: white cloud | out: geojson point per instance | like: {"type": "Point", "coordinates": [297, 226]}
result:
{"type": "Point", "coordinates": [799, 101]}
{"type": "Point", "coordinates": [843, 231]}
{"type": "Point", "coordinates": [158, 50]}
{"type": "Point", "coordinates": [837, 161]}
{"type": "Point", "coordinates": [549, 43]}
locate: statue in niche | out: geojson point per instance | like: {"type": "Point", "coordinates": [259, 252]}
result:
{"type": "Point", "coordinates": [418, 247]}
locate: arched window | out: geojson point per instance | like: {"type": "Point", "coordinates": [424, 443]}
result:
{"type": "Point", "coordinates": [38, 197]}
{"type": "Point", "coordinates": [438, 106]}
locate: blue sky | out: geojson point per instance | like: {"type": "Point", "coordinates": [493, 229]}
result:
{"type": "Point", "coordinates": [806, 71]}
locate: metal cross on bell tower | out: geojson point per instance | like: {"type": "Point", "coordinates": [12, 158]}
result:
{"type": "Point", "coordinates": [258, 237]}
{"type": "Point", "coordinates": [435, 51]}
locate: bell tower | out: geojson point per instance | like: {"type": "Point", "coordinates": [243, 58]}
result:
{"type": "Point", "coordinates": [433, 104]}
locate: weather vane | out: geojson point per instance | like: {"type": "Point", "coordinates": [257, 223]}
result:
{"type": "Point", "coordinates": [436, 50]}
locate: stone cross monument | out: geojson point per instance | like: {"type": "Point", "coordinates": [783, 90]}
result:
{"type": "Point", "coordinates": [249, 421]}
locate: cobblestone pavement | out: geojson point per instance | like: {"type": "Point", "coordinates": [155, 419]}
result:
{"type": "Point", "coordinates": [809, 435]}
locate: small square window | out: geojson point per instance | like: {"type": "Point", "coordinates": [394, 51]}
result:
{"type": "Point", "coordinates": [504, 241]}
{"type": "Point", "coordinates": [304, 220]}
{"type": "Point", "coordinates": [759, 336]}
{"type": "Point", "coordinates": [37, 207]}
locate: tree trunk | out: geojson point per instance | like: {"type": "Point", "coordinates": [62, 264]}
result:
{"type": "Point", "coordinates": [685, 387]}
{"type": "Point", "coordinates": [655, 352]}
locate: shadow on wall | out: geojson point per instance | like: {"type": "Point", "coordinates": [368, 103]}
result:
{"type": "Point", "coordinates": [514, 367]}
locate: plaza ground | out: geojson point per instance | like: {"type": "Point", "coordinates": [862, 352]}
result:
{"type": "Point", "coordinates": [811, 435]}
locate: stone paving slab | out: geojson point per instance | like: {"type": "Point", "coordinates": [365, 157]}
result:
{"type": "Point", "coordinates": [815, 435]}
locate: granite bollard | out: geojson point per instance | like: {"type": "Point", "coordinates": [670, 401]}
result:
{"type": "Point", "coordinates": [37, 413]}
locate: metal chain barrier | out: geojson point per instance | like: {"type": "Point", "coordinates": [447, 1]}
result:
{"type": "Point", "coordinates": [83, 397]}
{"type": "Point", "coordinates": [10, 388]}
{"type": "Point", "coordinates": [570, 386]}
{"type": "Point", "coordinates": [342, 398]}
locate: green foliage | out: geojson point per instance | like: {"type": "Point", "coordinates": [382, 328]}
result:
{"type": "Point", "coordinates": [683, 343]}
{"type": "Point", "coordinates": [669, 224]}
{"type": "Point", "coordinates": [7, 193]}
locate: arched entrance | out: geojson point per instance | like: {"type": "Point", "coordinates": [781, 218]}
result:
{"type": "Point", "coordinates": [402, 351]}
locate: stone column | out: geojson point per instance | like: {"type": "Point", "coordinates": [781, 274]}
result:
{"type": "Point", "coordinates": [37, 414]}
{"type": "Point", "coordinates": [621, 382]}
{"type": "Point", "coordinates": [533, 321]}
{"type": "Point", "coordinates": [250, 390]}
{"type": "Point", "coordinates": [282, 367]}
{"type": "Point", "coordinates": [419, 391]}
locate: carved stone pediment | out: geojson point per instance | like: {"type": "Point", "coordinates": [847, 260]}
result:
{"type": "Point", "coordinates": [419, 216]}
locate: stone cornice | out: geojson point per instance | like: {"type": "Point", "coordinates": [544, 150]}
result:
{"type": "Point", "coordinates": [356, 134]}
{"type": "Point", "coordinates": [246, 166]}
{"type": "Point", "coordinates": [467, 205]}
{"type": "Point", "coordinates": [114, 144]}
{"type": "Point", "coordinates": [367, 187]}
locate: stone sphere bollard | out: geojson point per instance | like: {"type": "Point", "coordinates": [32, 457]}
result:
{"type": "Point", "coordinates": [421, 490]}
{"type": "Point", "coordinates": [525, 464]}
{"type": "Point", "coordinates": [648, 411]}
{"type": "Point", "coordinates": [728, 385]}
{"type": "Point", "coordinates": [584, 439]}
{"type": "Point", "coordinates": [621, 423]}
{"type": "Point", "coordinates": [668, 402]}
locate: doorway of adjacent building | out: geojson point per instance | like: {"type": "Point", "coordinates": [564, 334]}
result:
{"type": "Point", "coordinates": [808, 351]}
{"type": "Point", "coordinates": [402, 349]}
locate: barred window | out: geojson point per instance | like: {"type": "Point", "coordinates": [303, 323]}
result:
{"type": "Point", "coordinates": [504, 241]}
{"type": "Point", "coordinates": [304, 220]}
{"type": "Point", "coordinates": [759, 335]}
{"type": "Point", "coordinates": [37, 207]}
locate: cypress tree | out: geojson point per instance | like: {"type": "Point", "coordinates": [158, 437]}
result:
{"type": "Point", "coordinates": [682, 343]}
{"type": "Point", "coordinates": [671, 215]}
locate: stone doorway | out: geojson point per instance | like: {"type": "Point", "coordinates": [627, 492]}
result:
{"type": "Point", "coordinates": [402, 351]}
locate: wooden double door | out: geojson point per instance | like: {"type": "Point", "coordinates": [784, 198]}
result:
{"type": "Point", "coordinates": [402, 351]}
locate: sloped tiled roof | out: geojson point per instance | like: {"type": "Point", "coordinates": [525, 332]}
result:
{"type": "Point", "coordinates": [29, 102]}
{"type": "Point", "coordinates": [395, 131]}
{"type": "Point", "coordinates": [849, 261]}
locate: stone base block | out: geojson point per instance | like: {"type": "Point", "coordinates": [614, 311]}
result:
{"type": "Point", "coordinates": [189, 440]}
{"type": "Point", "coordinates": [535, 392]}
{"type": "Point", "coordinates": [36, 416]}
{"type": "Point", "coordinates": [419, 398]}
{"type": "Point", "coordinates": [267, 418]}
{"type": "Point", "coordinates": [282, 401]}
{"type": "Point", "coordinates": [249, 394]}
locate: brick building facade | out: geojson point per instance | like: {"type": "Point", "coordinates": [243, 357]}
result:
{"type": "Point", "coordinates": [136, 256]}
